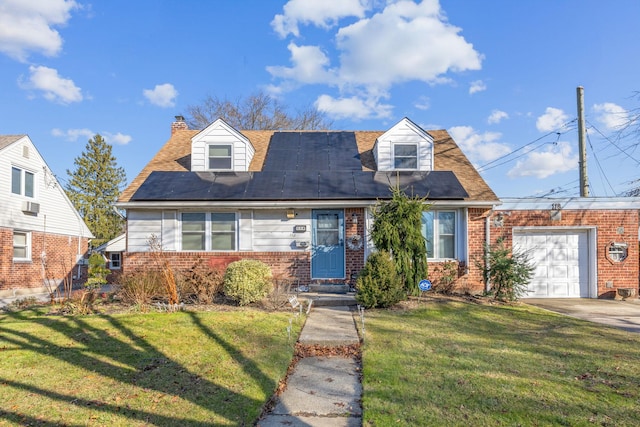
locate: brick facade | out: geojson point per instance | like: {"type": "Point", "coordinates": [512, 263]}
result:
{"type": "Point", "coordinates": [59, 263]}
{"type": "Point", "coordinates": [294, 265]}
{"type": "Point", "coordinates": [611, 225]}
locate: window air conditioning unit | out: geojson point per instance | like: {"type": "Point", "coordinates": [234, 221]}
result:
{"type": "Point", "coordinates": [31, 207]}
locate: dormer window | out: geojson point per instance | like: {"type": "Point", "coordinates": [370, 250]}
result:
{"type": "Point", "coordinates": [220, 157]}
{"type": "Point", "coordinates": [405, 156]}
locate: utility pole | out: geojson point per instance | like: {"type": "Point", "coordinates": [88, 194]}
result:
{"type": "Point", "coordinates": [582, 163]}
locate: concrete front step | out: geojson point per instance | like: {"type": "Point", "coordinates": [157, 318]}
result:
{"type": "Point", "coordinates": [329, 288]}
{"type": "Point", "coordinates": [328, 299]}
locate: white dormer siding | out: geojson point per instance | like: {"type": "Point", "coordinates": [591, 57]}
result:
{"type": "Point", "coordinates": [395, 148]}
{"type": "Point", "coordinates": [232, 150]}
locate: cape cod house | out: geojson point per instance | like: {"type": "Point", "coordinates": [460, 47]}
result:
{"type": "Point", "coordinates": [301, 201]}
{"type": "Point", "coordinates": [42, 237]}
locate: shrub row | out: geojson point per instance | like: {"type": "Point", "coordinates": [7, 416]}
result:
{"type": "Point", "coordinates": [245, 282]}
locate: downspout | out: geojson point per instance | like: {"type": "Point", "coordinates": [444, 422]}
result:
{"type": "Point", "coordinates": [487, 237]}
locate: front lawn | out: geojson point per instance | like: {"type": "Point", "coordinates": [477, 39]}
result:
{"type": "Point", "coordinates": [463, 364]}
{"type": "Point", "coordinates": [185, 368]}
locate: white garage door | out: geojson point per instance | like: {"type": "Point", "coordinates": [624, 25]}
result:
{"type": "Point", "coordinates": [561, 262]}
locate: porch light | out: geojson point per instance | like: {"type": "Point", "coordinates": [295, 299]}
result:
{"type": "Point", "coordinates": [291, 214]}
{"type": "Point", "coordinates": [354, 218]}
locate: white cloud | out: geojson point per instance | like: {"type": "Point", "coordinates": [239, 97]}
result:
{"type": "Point", "coordinates": [54, 87]}
{"type": "Point", "coordinates": [309, 66]}
{"type": "Point", "coordinates": [73, 134]}
{"type": "Point", "coordinates": [479, 147]}
{"type": "Point", "coordinates": [423, 103]}
{"type": "Point", "coordinates": [354, 107]}
{"type": "Point", "coordinates": [324, 14]}
{"type": "Point", "coordinates": [87, 134]}
{"type": "Point", "coordinates": [497, 116]}
{"type": "Point", "coordinates": [477, 86]}
{"type": "Point", "coordinates": [611, 115]}
{"type": "Point", "coordinates": [552, 120]}
{"type": "Point", "coordinates": [163, 95]}
{"type": "Point", "coordinates": [402, 42]}
{"type": "Point", "coordinates": [557, 158]}
{"type": "Point", "coordinates": [390, 47]}
{"type": "Point", "coordinates": [116, 138]}
{"type": "Point", "coordinates": [27, 26]}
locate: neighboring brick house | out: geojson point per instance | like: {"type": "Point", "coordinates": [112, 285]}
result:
{"type": "Point", "coordinates": [581, 247]}
{"type": "Point", "coordinates": [301, 201]}
{"type": "Point", "coordinates": [42, 236]}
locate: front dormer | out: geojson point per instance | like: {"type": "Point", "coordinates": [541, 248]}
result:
{"type": "Point", "coordinates": [404, 147]}
{"type": "Point", "coordinates": [220, 148]}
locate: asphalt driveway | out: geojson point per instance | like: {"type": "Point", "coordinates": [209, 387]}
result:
{"type": "Point", "coordinates": [620, 314]}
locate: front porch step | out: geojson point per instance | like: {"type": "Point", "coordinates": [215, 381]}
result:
{"type": "Point", "coordinates": [328, 299]}
{"type": "Point", "coordinates": [329, 288]}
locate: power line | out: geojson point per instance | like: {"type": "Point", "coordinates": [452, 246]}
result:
{"type": "Point", "coordinates": [613, 143]}
{"type": "Point", "coordinates": [558, 132]}
{"type": "Point", "coordinates": [600, 169]}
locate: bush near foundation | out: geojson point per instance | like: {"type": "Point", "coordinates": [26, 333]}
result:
{"type": "Point", "coordinates": [247, 281]}
{"type": "Point", "coordinates": [378, 283]}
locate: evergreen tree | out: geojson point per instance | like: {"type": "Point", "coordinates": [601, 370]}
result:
{"type": "Point", "coordinates": [94, 187]}
{"type": "Point", "coordinates": [397, 229]}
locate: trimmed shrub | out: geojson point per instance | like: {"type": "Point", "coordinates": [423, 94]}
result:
{"type": "Point", "coordinates": [378, 283]}
{"type": "Point", "coordinates": [508, 272]}
{"type": "Point", "coordinates": [247, 281]}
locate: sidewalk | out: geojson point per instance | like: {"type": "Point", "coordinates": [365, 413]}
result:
{"type": "Point", "coordinates": [322, 391]}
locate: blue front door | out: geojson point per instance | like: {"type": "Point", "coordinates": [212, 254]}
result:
{"type": "Point", "coordinates": [327, 252]}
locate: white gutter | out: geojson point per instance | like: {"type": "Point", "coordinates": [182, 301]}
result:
{"type": "Point", "coordinates": [244, 204]}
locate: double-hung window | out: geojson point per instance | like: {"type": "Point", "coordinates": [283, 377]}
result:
{"type": "Point", "coordinates": [405, 156]}
{"type": "Point", "coordinates": [21, 246]}
{"type": "Point", "coordinates": [22, 182]}
{"type": "Point", "coordinates": [215, 231]}
{"type": "Point", "coordinates": [439, 230]}
{"type": "Point", "coordinates": [115, 260]}
{"type": "Point", "coordinates": [194, 231]}
{"type": "Point", "coordinates": [220, 157]}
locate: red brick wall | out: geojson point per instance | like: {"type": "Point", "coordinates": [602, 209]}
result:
{"type": "Point", "coordinates": [608, 222]}
{"type": "Point", "coordinates": [283, 264]}
{"type": "Point", "coordinates": [354, 257]}
{"type": "Point", "coordinates": [60, 260]}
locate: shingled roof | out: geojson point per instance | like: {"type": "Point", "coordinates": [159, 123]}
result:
{"type": "Point", "coordinates": [175, 156]}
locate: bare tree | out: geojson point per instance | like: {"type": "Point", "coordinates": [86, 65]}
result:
{"type": "Point", "coordinates": [630, 131]}
{"type": "Point", "coordinates": [258, 111]}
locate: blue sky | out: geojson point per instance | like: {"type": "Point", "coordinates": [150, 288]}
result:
{"type": "Point", "coordinates": [499, 75]}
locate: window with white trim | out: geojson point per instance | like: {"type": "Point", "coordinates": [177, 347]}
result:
{"type": "Point", "coordinates": [220, 157]}
{"type": "Point", "coordinates": [405, 156]}
{"type": "Point", "coordinates": [115, 261]}
{"type": "Point", "coordinates": [213, 231]}
{"type": "Point", "coordinates": [439, 230]}
{"type": "Point", "coordinates": [21, 246]}
{"type": "Point", "coordinates": [22, 182]}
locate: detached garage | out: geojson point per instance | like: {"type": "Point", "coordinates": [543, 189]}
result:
{"type": "Point", "coordinates": [580, 247]}
{"type": "Point", "coordinates": [561, 256]}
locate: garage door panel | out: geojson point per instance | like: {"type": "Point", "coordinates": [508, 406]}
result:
{"type": "Point", "coordinates": [560, 258]}
{"type": "Point", "coordinates": [559, 272]}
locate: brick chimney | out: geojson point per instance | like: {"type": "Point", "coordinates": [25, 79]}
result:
{"type": "Point", "coordinates": [179, 124]}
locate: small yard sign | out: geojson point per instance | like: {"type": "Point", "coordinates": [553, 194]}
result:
{"type": "Point", "coordinates": [425, 285]}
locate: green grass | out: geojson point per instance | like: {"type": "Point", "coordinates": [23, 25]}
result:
{"type": "Point", "coordinates": [462, 364]}
{"type": "Point", "coordinates": [185, 368]}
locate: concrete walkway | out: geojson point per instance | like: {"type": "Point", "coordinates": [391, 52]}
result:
{"type": "Point", "coordinates": [322, 391]}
